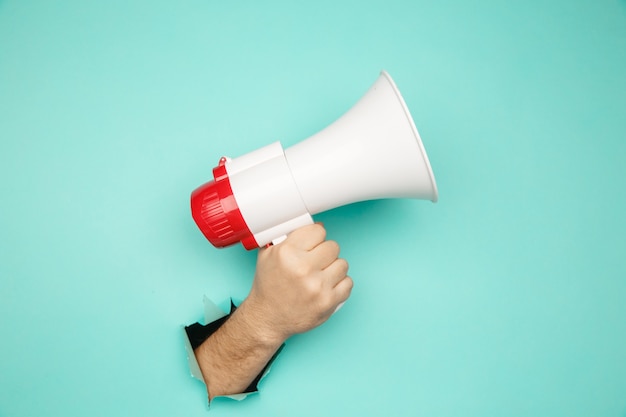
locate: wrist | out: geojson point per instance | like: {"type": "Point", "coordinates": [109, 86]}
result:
{"type": "Point", "coordinates": [255, 318]}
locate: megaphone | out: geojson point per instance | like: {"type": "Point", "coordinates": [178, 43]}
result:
{"type": "Point", "coordinates": [372, 152]}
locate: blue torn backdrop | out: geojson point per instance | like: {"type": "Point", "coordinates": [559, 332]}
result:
{"type": "Point", "coordinates": [506, 298]}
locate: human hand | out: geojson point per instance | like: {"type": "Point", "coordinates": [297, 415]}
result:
{"type": "Point", "coordinates": [298, 284]}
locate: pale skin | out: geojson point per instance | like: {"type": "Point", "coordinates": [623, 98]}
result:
{"type": "Point", "coordinates": [297, 286]}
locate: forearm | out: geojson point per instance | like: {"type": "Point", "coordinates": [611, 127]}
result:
{"type": "Point", "coordinates": [232, 357]}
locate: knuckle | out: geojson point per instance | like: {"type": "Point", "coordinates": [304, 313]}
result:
{"type": "Point", "coordinates": [313, 287]}
{"type": "Point", "coordinates": [301, 270]}
{"type": "Point", "coordinates": [290, 262]}
{"type": "Point", "coordinates": [345, 289]}
{"type": "Point", "coordinates": [326, 303]}
{"type": "Point", "coordinates": [320, 229]}
{"type": "Point", "coordinates": [343, 264]}
{"type": "Point", "coordinates": [284, 253]}
{"type": "Point", "coordinates": [333, 246]}
{"type": "Point", "coordinates": [349, 284]}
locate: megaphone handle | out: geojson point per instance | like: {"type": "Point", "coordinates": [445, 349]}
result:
{"type": "Point", "coordinates": [279, 239]}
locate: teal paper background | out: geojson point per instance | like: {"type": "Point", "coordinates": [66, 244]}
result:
{"type": "Point", "coordinates": [506, 298]}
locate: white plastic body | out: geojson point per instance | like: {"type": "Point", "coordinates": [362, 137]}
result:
{"type": "Point", "coordinates": [267, 196]}
{"type": "Point", "coordinates": [373, 151]}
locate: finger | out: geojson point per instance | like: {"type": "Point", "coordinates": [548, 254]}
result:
{"type": "Point", "coordinates": [324, 254]}
{"type": "Point", "coordinates": [336, 272]}
{"type": "Point", "coordinates": [342, 290]}
{"type": "Point", "coordinates": [307, 237]}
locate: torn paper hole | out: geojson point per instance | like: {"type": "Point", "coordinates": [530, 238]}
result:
{"type": "Point", "coordinates": [215, 315]}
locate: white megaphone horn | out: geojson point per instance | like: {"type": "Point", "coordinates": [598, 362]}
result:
{"type": "Point", "coordinates": [372, 152]}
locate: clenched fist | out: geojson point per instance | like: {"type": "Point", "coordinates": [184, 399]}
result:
{"type": "Point", "coordinates": [298, 283]}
